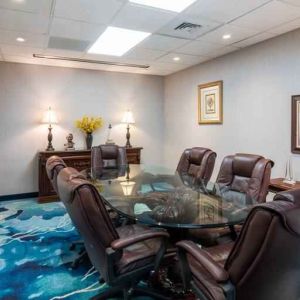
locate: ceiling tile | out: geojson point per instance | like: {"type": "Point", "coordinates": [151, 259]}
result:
{"type": "Point", "coordinates": [237, 34]}
{"type": "Point", "coordinates": [142, 18]}
{"type": "Point", "coordinates": [223, 10]}
{"type": "Point", "coordinates": [222, 51]}
{"type": "Point", "coordinates": [92, 11]}
{"type": "Point", "coordinates": [19, 51]}
{"type": "Point", "coordinates": [68, 44]}
{"type": "Point", "coordinates": [75, 29]}
{"type": "Point", "coordinates": [22, 21]}
{"type": "Point", "coordinates": [272, 14]}
{"type": "Point", "coordinates": [286, 27]}
{"type": "Point", "coordinates": [163, 66]}
{"type": "Point", "coordinates": [198, 48]}
{"type": "Point", "coordinates": [31, 40]}
{"type": "Point", "coordinates": [184, 59]}
{"type": "Point", "coordinates": [143, 53]}
{"type": "Point", "coordinates": [254, 40]}
{"type": "Point", "coordinates": [163, 43]}
{"type": "Point", "coordinates": [63, 53]}
{"type": "Point", "coordinates": [33, 6]}
{"type": "Point", "coordinates": [206, 25]}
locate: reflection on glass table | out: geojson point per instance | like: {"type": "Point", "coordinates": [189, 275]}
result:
{"type": "Point", "coordinates": [158, 196]}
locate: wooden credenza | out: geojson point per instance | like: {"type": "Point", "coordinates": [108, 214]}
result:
{"type": "Point", "coordinates": [78, 159]}
{"type": "Point", "coordinates": [134, 155]}
{"type": "Point", "coordinates": [277, 185]}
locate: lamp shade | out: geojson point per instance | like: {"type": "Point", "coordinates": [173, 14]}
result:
{"type": "Point", "coordinates": [127, 187]}
{"type": "Point", "coordinates": [128, 117]}
{"type": "Point", "coordinates": [49, 117]}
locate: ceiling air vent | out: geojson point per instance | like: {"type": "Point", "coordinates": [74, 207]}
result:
{"type": "Point", "coordinates": [188, 27]}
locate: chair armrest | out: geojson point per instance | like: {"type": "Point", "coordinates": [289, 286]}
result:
{"type": "Point", "coordinates": [214, 269]}
{"type": "Point", "coordinates": [147, 235]}
{"type": "Point", "coordinates": [290, 196]}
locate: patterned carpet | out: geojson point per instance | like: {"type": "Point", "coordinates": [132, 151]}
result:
{"type": "Point", "coordinates": [35, 260]}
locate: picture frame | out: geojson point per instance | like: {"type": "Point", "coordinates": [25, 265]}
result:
{"type": "Point", "coordinates": [210, 103]}
{"type": "Point", "coordinates": [295, 136]}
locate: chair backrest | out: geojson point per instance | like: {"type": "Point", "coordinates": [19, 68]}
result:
{"type": "Point", "coordinates": [265, 261]}
{"type": "Point", "coordinates": [247, 174]}
{"type": "Point", "coordinates": [108, 157]}
{"type": "Point", "coordinates": [54, 165]}
{"type": "Point", "coordinates": [89, 215]}
{"type": "Point", "coordinates": [197, 162]}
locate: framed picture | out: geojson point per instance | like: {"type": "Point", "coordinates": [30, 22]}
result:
{"type": "Point", "coordinates": [296, 124]}
{"type": "Point", "coordinates": [210, 103]}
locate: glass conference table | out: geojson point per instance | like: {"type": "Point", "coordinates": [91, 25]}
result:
{"type": "Point", "coordinates": [158, 196]}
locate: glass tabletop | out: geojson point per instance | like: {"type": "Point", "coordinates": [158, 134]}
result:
{"type": "Point", "coordinates": [158, 196]}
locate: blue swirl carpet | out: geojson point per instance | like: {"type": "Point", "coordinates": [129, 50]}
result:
{"type": "Point", "coordinates": [35, 260]}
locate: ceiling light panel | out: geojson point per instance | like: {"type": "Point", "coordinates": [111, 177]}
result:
{"type": "Point", "coordinates": [117, 41]}
{"type": "Point", "coordinates": [173, 5]}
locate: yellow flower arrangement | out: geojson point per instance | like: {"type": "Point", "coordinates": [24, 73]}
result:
{"type": "Point", "coordinates": [89, 124]}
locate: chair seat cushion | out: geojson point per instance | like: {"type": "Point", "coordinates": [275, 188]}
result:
{"type": "Point", "coordinates": [139, 254]}
{"type": "Point", "coordinates": [220, 253]}
{"type": "Point", "coordinates": [208, 236]}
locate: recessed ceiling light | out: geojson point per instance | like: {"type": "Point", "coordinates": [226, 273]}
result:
{"type": "Point", "coordinates": [172, 5]}
{"type": "Point", "coordinates": [176, 58]}
{"type": "Point", "coordinates": [226, 36]}
{"type": "Point", "coordinates": [20, 39]}
{"type": "Point", "coordinates": [117, 41]}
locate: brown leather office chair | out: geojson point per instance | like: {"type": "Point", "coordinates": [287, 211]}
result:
{"type": "Point", "coordinates": [54, 165]}
{"type": "Point", "coordinates": [264, 262]}
{"type": "Point", "coordinates": [245, 177]}
{"type": "Point", "coordinates": [108, 157]}
{"type": "Point", "coordinates": [198, 163]}
{"type": "Point", "coordinates": [123, 256]}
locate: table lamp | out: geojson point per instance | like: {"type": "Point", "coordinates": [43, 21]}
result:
{"type": "Point", "coordinates": [49, 118]}
{"type": "Point", "coordinates": [128, 119]}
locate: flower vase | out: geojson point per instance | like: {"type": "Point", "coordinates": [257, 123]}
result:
{"type": "Point", "coordinates": [89, 141]}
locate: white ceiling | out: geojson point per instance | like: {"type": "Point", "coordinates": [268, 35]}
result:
{"type": "Point", "coordinates": [69, 27]}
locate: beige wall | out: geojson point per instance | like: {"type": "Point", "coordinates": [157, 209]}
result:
{"type": "Point", "coordinates": [27, 90]}
{"type": "Point", "coordinates": [258, 84]}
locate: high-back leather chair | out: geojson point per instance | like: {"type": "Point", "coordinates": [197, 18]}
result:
{"type": "Point", "coordinates": [121, 255]}
{"type": "Point", "coordinates": [245, 177]}
{"type": "Point", "coordinates": [264, 262]}
{"type": "Point", "coordinates": [108, 157]}
{"type": "Point", "coordinates": [54, 165]}
{"type": "Point", "coordinates": [198, 163]}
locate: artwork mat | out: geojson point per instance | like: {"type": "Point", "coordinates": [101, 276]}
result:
{"type": "Point", "coordinates": [215, 88]}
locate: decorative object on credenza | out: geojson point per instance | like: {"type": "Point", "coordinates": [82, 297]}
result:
{"type": "Point", "coordinates": [69, 146]}
{"type": "Point", "coordinates": [128, 119]}
{"type": "Point", "coordinates": [295, 139]}
{"type": "Point", "coordinates": [109, 141]}
{"type": "Point", "coordinates": [210, 103]}
{"type": "Point", "coordinates": [289, 176]}
{"type": "Point", "coordinates": [89, 125]}
{"type": "Point", "coordinates": [49, 118]}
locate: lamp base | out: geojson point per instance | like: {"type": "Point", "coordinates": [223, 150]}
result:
{"type": "Point", "coordinates": [128, 145]}
{"type": "Point", "coordinates": [50, 148]}
{"type": "Point", "coordinates": [50, 137]}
